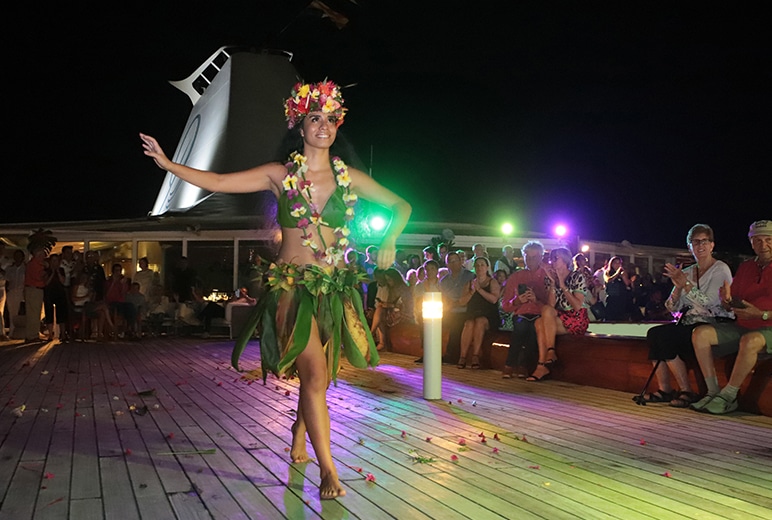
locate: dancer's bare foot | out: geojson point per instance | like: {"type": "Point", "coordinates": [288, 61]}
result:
{"type": "Point", "coordinates": [330, 487]}
{"type": "Point", "coordinates": [298, 452]}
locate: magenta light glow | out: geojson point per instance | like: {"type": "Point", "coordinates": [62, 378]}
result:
{"type": "Point", "coordinates": [561, 230]}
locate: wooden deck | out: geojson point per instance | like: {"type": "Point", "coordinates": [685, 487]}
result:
{"type": "Point", "coordinates": [163, 428]}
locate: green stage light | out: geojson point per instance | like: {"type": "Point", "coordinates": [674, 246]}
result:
{"type": "Point", "coordinates": [377, 223]}
{"type": "Point", "coordinates": [507, 228]}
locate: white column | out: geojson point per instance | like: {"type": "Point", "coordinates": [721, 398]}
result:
{"type": "Point", "coordinates": [432, 314]}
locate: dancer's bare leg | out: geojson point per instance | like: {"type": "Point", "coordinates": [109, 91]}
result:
{"type": "Point", "coordinates": [312, 371]}
{"type": "Point", "coordinates": [299, 451]}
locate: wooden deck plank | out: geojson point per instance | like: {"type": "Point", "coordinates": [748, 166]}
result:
{"type": "Point", "coordinates": [583, 456]}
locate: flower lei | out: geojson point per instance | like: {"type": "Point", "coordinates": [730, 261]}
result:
{"type": "Point", "coordinates": [295, 184]}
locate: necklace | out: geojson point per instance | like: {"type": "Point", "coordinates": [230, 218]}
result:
{"type": "Point", "coordinates": [296, 184]}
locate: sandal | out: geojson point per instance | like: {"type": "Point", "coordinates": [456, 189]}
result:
{"type": "Point", "coordinates": [551, 362]}
{"type": "Point", "coordinates": [660, 396]}
{"type": "Point", "coordinates": [475, 362]}
{"type": "Point", "coordinates": [461, 363]}
{"type": "Point", "coordinates": [684, 400]}
{"type": "Point", "coordinates": [507, 372]}
{"type": "Point", "coordinates": [533, 378]}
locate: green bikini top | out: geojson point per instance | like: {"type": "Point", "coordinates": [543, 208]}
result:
{"type": "Point", "coordinates": [333, 213]}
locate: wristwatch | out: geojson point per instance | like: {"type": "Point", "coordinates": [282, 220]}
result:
{"type": "Point", "coordinates": [765, 315]}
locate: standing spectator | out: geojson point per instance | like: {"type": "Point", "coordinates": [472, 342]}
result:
{"type": "Point", "coordinates": [442, 253]}
{"type": "Point", "coordinates": [507, 261]}
{"type": "Point", "coordinates": [430, 253]}
{"type": "Point", "coordinates": [525, 294]}
{"type": "Point", "coordinates": [67, 264]}
{"type": "Point", "coordinates": [478, 250]}
{"type": "Point", "coordinates": [116, 289]}
{"type": "Point", "coordinates": [14, 276]}
{"type": "Point", "coordinates": [4, 263]}
{"type": "Point", "coordinates": [400, 262]}
{"type": "Point", "coordinates": [456, 288]}
{"type": "Point", "coordinates": [371, 260]}
{"type": "Point", "coordinates": [56, 300]}
{"type": "Point", "coordinates": [184, 279]}
{"type": "Point", "coordinates": [393, 304]}
{"type": "Point", "coordinates": [149, 281]}
{"type": "Point", "coordinates": [619, 296]}
{"type": "Point", "coordinates": [34, 283]}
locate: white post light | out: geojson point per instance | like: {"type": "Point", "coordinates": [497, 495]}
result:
{"type": "Point", "coordinates": [432, 314]}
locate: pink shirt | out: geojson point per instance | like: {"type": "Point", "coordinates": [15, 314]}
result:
{"type": "Point", "coordinates": [533, 279]}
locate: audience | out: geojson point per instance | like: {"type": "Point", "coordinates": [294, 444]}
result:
{"type": "Point", "coordinates": [565, 312]}
{"type": "Point", "coordinates": [116, 289]}
{"type": "Point", "coordinates": [56, 300]}
{"type": "Point", "coordinates": [35, 279]}
{"type": "Point", "coordinates": [750, 297]}
{"type": "Point", "coordinates": [430, 283]}
{"type": "Point", "coordinates": [482, 312]}
{"type": "Point", "coordinates": [695, 296]}
{"type": "Point", "coordinates": [525, 295]}
{"type": "Point", "coordinates": [619, 295]}
{"type": "Point", "coordinates": [507, 261]}
{"type": "Point", "coordinates": [455, 287]}
{"type": "Point", "coordinates": [393, 304]}
{"type": "Point", "coordinates": [90, 311]}
{"type": "Point", "coordinates": [14, 276]}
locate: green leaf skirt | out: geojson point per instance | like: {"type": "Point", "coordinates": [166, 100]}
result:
{"type": "Point", "coordinates": [308, 306]}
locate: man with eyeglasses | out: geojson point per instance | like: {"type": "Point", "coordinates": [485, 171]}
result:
{"type": "Point", "coordinates": [750, 297]}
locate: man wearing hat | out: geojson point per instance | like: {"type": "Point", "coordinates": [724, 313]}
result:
{"type": "Point", "coordinates": [750, 297]}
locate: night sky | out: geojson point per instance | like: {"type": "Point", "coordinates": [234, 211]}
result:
{"type": "Point", "coordinates": [629, 124]}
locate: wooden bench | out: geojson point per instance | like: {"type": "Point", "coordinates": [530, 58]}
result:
{"type": "Point", "coordinates": [614, 361]}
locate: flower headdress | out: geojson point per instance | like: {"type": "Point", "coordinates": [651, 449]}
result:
{"type": "Point", "coordinates": [324, 96]}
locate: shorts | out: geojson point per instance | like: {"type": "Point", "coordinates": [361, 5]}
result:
{"type": "Point", "coordinates": [729, 334]}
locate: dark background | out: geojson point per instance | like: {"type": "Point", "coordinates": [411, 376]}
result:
{"type": "Point", "coordinates": [629, 123]}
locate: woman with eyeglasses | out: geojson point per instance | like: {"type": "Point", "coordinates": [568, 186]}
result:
{"type": "Point", "coordinates": [696, 295]}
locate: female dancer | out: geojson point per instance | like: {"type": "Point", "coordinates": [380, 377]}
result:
{"type": "Point", "coordinates": [304, 324]}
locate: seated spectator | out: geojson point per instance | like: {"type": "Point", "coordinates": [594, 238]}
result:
{"type": "Point", "coordinates": [750, 297]}
{"type": "Point", "coordinates": [138, 300]}
{"type": "Point", "coordinates": [507, 261]}
{"type": "Point", "coordinates": [430, 283]}
{"type": "Point", "coordinates": [505, 318]}
{"type": "Point", "coordinates": [525, 295]}
{"type": "Point", "coordinates": [393, 304]}
{"type": "Point", "coordinates": [88, 309]}
{"type": "Point", "coordinates": [482, 312]}
{"type": "Point", "coordinates": [456, 287]}
{"type": "Point", "coordinates": [565, 312]}
{"type": "Point", "coordinates": [582, 265]}
{"type": "Point", "coordinates": [696, 294]}
{"type": "Point", "coordinates": [656, 310]}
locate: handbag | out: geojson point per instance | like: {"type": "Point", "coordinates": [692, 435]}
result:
{"type": "Point", "coordinates": [598, 310]}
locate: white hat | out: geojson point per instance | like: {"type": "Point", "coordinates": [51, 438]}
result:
{"type": "Point", "coordinates": [760, 227]}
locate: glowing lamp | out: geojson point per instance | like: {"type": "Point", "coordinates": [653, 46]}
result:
{"type": "Point", "coordinates": [432, 314]}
